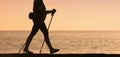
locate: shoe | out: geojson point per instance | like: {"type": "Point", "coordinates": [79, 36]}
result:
{"type": "Point", "coordinates": [54, 51]}
{"type": "Point", "coordinates": [27, 52]}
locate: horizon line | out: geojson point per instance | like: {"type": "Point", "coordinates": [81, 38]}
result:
{"type": "Point", "coordinates": [66, 30]}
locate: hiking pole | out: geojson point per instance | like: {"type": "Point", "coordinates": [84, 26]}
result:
{"type": "Point", "coordinates": [44, 39]}
{"type": "Point", "coordinates": [21, 48]}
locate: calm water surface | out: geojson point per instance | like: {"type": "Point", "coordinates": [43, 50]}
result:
{"type": "Point", "coordinates": [77, 42]}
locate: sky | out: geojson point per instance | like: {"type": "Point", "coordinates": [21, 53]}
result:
{"type": "Point", "coordinates": [71, 15]}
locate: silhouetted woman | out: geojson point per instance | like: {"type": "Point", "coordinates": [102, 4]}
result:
{"type": "Point", "coordinates": [40, 13]}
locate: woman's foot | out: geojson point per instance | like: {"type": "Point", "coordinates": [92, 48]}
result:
{"type": "Point", "coordinates": [27, 51]}
{"type": "Point", "coordinates": [54, 51]}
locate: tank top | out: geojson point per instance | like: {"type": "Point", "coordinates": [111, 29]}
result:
{"type": "Point", "coordinates": [39, 6]}
{"type": "Point", "coordinates": [39, 10]}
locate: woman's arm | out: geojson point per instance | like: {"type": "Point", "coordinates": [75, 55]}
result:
{"type": "Point", "coordinates": [50, 11]}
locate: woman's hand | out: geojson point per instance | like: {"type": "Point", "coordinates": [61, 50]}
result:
{"type": "Point", "coordinates": [53, 11]}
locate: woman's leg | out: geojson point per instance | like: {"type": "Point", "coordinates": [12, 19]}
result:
{"type": "Point", "coordinates": [47, 40]}
{"type": "Point", "coordinates": [46, 35]}
{"type": "Point", "coordinates": [30, 37]}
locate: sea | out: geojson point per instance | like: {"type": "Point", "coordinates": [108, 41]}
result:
{"type": "Point", "coordinates": [69, 42]}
